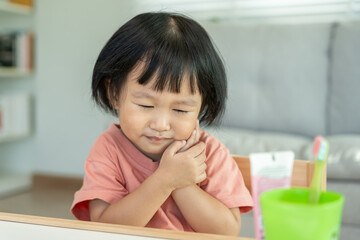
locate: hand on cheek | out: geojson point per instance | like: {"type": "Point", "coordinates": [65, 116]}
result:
{"type": "Point", "coordinates": [185, 161]}
{"type": "Point", "coordinates": [193, 139]}
{"type": "Point", "coordinates": [185, 168]}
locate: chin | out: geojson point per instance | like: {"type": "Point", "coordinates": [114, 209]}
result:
{"type": "Point", "coordinates": [154, 152]}
{"type": "Point", "coordinates": [153, 156]}
{"type": "Point", "coordinates": [159, 153]}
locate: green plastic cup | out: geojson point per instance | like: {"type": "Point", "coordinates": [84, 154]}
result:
{"type": "Point", "coordinates": [287, 214]}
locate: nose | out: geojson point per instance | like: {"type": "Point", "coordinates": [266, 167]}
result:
{"type": "Point", "coordinates": [160, 122]}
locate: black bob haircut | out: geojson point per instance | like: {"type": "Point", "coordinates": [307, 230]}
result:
{"type": "Point", "coordinates": [172, 46]}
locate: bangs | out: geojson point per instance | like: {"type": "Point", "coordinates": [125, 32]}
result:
{"type": "Point", "coordinates": [170, 57]}
{"type": "Point", "coordinates": [169, 65]}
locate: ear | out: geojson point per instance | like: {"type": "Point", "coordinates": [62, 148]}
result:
{"type": "Point", "coordinates": [112, 99]}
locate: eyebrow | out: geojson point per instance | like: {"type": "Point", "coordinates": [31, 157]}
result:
{"type": "Point", "coordinates": [143, 94]}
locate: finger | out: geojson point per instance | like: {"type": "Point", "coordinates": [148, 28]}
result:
{"type": "Point", "coordinates": [201, 177]}
{"type": "Point", "coordinates": [194, 137]}
{"type": "Point", "coordinates": [197, 131]}
{"type": "Point", "coordinates": [189, 142]}
{"type": "Point", "coordinates": [202, 168]}
{"type": "Point", "coordinates": [201, 158]}
{"type": "Point", "coordinates": [174, 147]}
{"type": "Point", "coordinates": [197, 149]}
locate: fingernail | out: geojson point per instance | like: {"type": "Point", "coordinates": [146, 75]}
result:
{"type": "Point", "coordinates": [183, 142]}
{"type": "Point", "coordinates": [194, 132]}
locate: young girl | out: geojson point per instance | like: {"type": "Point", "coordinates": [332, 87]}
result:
{"type": "Point", "coordinates": [159, 73]}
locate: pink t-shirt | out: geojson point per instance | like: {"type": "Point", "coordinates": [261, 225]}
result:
{"type": "Point", "coordinates": [115, 168]}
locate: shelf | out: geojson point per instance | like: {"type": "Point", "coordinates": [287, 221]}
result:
{"type": "Point", "coordinates": [12, 183]}
{"type": "Point", "coordinates": [5, 139]}
{"type": "Point", "coordinates": [14, 72]}
{"type": "Point", "coordinates": [15, 8]}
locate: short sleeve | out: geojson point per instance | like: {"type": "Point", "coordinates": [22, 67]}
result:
{"type": "Point", "coordinates": [224, 180]}
{"type": "Point", "coordinates": [103, 179]}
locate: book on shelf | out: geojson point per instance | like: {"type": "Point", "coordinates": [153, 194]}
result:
{"type": "Point", "coordinates": [14, 115]}
{"type": "Point", "coordinates": [16, 50]}
{"type": "Point", "coordinates": [23, 2]}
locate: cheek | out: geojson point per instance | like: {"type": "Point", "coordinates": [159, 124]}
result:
{"type": "Point", "coordinates": [130, 119]}
{"type": "Point", "coordinates": [183, 129]}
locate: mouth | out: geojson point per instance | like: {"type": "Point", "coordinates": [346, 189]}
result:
{"type": "Point", "coordinates": [156, 139]}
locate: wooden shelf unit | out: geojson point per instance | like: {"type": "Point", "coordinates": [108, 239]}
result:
{"type": "Point", "coordinates": [14, 8]}
{"type": "Point", "coordinates": [10, 72]}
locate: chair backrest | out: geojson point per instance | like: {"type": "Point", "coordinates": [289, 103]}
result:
{"type": "Point", "coordinates": [301, 175]}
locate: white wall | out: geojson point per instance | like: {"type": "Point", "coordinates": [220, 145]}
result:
{"type": "Point", "coordinates": [69, 36]}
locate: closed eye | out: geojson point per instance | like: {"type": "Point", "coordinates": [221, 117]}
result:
{"type": "Point", "coordinates": [180, 111]}
{"type": "Point", "coordinates": [145, 106]}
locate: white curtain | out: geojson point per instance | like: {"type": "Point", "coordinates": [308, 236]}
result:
{"type": "Point", "coordinates": [254, 9]}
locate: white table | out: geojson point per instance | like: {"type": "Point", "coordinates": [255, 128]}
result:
{"type": "Point", "coordinates": [19, 227]}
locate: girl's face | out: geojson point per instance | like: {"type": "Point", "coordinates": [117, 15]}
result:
{"type": "Point", "coordinates": [152, 120]}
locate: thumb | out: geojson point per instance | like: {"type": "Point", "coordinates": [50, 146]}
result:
{"type": "Point", "coordinates": [175, 147]}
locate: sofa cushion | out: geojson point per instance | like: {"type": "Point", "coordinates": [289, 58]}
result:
{"type": "Point", "coordinates": [277, 75]}
{"type": "Point", "coordinates": [344, 97]}
{"type": "Point", "coordinates": [351, 191]}
{"type": "Point", "coordinates": [243, 142]}
{"type": "Point", "coordinates": [349, 232]}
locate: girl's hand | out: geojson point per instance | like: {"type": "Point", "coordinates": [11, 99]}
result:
{"type": "Point", "coordinates": [193, 139]}
{"type": "Point", "coordinates": [181, 169]}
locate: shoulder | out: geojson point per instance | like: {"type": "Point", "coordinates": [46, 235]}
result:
{"type": "Point", "coordinates": [218, 156]}
{"type": "Point", "coordinates": [213, 144]}
{"type": "Point", "coordinates": [108, 143]}
{"type": "Point", "coordinates": [112, 136]}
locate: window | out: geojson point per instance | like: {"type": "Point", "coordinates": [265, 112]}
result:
{"type": "Point", "coordinates": [224, 10]}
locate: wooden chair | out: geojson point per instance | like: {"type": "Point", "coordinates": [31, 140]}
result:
{"type": "Point", "coordinates": [301, 175]}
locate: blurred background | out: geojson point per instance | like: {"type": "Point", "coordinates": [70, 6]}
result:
{"type": "Point", "coordinates": [48, 121]}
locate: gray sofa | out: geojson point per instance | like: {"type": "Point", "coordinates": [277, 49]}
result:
{"type": "Point", "coordinates": [287, 84]}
